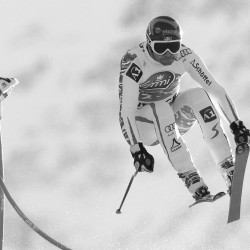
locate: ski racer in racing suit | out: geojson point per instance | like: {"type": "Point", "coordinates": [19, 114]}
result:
{"type": "Point", "coordinates": [153, 110]}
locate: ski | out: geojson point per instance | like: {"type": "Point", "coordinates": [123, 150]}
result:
{"type": "Point", "coordinates": [209, 198]}
{"type": "Point", "coordinates": [241, 156]}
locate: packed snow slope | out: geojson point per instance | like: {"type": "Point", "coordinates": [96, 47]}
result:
{"type": "Point", "coordinates": [66, 162]}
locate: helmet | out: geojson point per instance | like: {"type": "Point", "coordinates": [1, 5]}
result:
{"type": "Point", "coordinates": [163, 28]}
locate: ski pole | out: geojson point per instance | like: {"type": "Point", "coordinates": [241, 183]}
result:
{"type": "Point", "coordinates": [118, 211]}
{"type": "Point", "coordinates": [27, 220]}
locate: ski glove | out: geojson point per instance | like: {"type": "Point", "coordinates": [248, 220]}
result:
{"type": "Point", "coordinates": [143, 161]}
{"type": "Point", "coordinates": [241, 133]}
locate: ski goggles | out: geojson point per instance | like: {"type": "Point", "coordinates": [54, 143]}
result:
{"type": "Point", "coordinates": [161, 47]}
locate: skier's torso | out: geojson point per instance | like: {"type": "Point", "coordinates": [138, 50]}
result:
{"type": "Point", "coordinates": [158, 82]}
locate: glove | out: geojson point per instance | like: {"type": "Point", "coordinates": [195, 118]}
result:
{"type": "Point", "coordinates": [241, 133]}
{"type": "Point", "coordinates": [143, 161]}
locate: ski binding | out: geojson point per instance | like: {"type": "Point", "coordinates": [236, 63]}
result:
{"type": "Point", "coordinates": [209, 198]}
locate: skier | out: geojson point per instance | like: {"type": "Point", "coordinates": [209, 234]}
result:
{"type": "Point", "coordinates": [153, 110]}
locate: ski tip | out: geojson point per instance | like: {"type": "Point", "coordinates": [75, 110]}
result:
{"type": "Point", "coordinates": [211, 198]}
{"type": "Point", "coordinates": [192, 205]}
{"type": "Point", "coordinates": [230, 220]}
{"type": "Point", "coordinates": [233, 216]}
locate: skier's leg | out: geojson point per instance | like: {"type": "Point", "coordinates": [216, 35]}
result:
{"type": "Point", "coordinates": [226, 168]}
{"type": "Point", "coordinates": [161, 115]}
{"type": "Point", "coordinates": [200, 106]}
{"type": "Point", "coordinates": [146, 127]}
{"type": "Point", "coordinates": [195, 184]}
{"type": "Point", "coordinates": [184, 116]}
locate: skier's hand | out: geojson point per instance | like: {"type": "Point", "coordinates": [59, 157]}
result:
{"type": "Point", "coordinates": [241, 133]}
{"type": "Point", "coordinates": [143, 161]}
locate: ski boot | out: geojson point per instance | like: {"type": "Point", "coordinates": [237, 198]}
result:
{"type": "Point", "coordinates": [227, 171]}
{"type": "Point", "coordinates": [194, 182]}
{"type": "Point", "coordinates": [198, 188]}
{"type": "Point", "coordinates": [201, 193]}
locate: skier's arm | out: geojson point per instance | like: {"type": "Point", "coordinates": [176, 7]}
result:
{"type": "Point", "coordinates": [130, 75]}
{"type": "Point", "coordinates": [129, 91]}
{"type": "Point", "coordinates": [199, 72]}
